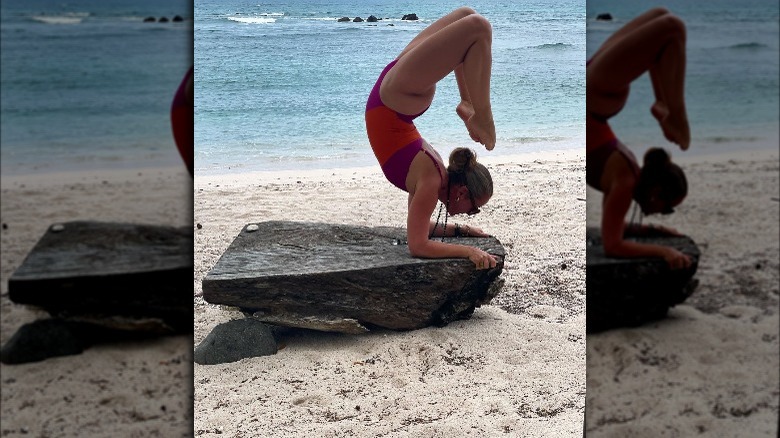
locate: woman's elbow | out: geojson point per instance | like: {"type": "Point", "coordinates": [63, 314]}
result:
{"type": "Point", "coordinates": [417, 249]}
{"type": "Point", "coordinates": [612, 248]}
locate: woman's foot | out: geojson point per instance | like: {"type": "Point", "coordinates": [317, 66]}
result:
{"type": "Point", "coordinates": [675, 130]}
{"type": "Point", "coordinates": [483, 129]}
{"type": "Point", "coordinates": [465, 112]}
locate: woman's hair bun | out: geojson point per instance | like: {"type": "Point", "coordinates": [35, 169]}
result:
{"type": "Point", "coordinates": [656, 157]}
{"type": "Point", "coordinates": [462, 159]}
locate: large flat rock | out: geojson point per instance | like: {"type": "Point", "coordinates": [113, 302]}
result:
{"type": "Point", "coordinates": [100, 269]}
{"type": "Point", "coordinates": [625, 292]}
{"type": "Point", "coordinates": [347, 278]}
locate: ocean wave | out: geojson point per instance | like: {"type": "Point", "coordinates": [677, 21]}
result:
{"type": "Point", "coordinates": [725, 139]}
{"type": "Point", "coordinates": [749, 46]}
{"type": "Point", "coordinates": [69, 18]}
{"type": "Point", "coordinates": [253, 20]}
{"type": "Point", "coordinates": [554, 46]}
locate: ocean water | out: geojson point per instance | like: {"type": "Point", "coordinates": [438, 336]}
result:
{"type": "Point", "coordinates": [732, 74]}
{"type": "Point", "coordinates": [86, 84]}
{"type": "Point", "coordinates": [281, 84]}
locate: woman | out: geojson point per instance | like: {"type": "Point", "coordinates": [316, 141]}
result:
{"type": "Point", "coordinates": [183, 120]}
{"type": "Point", "coordinates": [460, 42]}
{"type": "Point", "coordinates": [653, 42]}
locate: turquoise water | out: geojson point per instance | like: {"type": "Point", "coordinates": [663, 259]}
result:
{"type": "Point", "coordinates": [88, 85]}
{"type": "Point", "coordinates": [732, 74]}
{"type": "Point", "coordinates": [283, 85]}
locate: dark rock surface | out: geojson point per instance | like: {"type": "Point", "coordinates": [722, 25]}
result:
{"type": "Point", "coordinates": [344, 19]}
{"type": "Point", "coordinates": [604, 17]}
{"type": "Point", "coordinates": [372, 19]}
{"type": "Point", "coordinates": [41, 340]}
{"type": "Point", "coordinates": [357, 20]}
{"type": "Point", "coordinates": [52, 337]}
{"type": "Point", "coordinates": [347, 278]}
{"type": "Point", "coordinates": [630, 292]}
{"type": "Point", "coordinates": [410, 17]}
{"type": "Point", "coordinates": [177, 19]}
{"type": "Point", "coordinates": [235, 340]}
{"type": "Point", "coordinates": [149, 20]}
{"type": "Point", "coordinates": [97, 268]}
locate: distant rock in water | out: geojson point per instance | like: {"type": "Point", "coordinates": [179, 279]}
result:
{"type": "Point", "coordinates": [604, 17]}
{"type": "Point", "coordinates": [344, 19]}
{"type": "Point", "coordinates": [347, 279]}
{"type": "Point", "coordinates": [177, 19]}
{"type": "Point", "coordinates": [410, 17]}
{"type": "Point", "coordinates": [372, 19]}
{"type": "Point", "coordinates": [627, 292]}
{"type": "Point", "coordinates": [162, 20]}
{"type": "Point", "coordinates": [149, 20]}
{"type": "Point", "coordinates": [357, 20]}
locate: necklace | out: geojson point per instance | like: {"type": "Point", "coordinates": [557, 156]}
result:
{"type": "Point", "coordinates": [438, 216]}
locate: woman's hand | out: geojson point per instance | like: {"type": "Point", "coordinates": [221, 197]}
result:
{"type": "Point", "coordinates": [676, 259]}
{"type": "Point", "coordinates": [481, 259]}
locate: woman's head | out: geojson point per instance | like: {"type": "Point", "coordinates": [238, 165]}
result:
{"type": "Point", "coordinates": [470, 183]}
{"type": "Point", "coordinates": [661, 185]}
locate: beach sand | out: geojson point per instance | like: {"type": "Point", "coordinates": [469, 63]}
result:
{"type": "Point", "coordinates": [516, 368]}
{"type": "Point", "coordinates": [132, 389]}
{"type": "Point", "coordinates": [711, 368]}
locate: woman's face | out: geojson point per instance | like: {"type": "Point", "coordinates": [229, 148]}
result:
{"type": "Point", "coordinates": [657, 204]}
{"type": "Point", "coordinates": [462, 201]}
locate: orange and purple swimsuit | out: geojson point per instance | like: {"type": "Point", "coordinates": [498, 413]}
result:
{"type": "Point", "coordinates": [392, 135]}
{"type": "Point", "coordinates": [601, 142]}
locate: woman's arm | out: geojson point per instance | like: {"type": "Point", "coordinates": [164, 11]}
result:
{"type": "Point", "coordinates": [649, 230]}
{"type": "Point", "coordinates": [616, 204]}
{"type": "Point", "coordinates": [421, 206]}
{"type": "Point", "coordinates": [455, 230]}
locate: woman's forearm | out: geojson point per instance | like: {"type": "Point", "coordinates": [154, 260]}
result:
{"type": "Point", "coordinates": [439, 250]}
{"type": "Point", "coordinates": [629, 249]}
{"type": "Point", "coordinates": [453, 230]}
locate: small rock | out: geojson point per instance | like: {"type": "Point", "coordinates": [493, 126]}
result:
{"type": "Point", "coordinates": [235, 340]}
{"type": "Point", "coordinates": [604, 17]}
{"type": "Point", "coordinates": [251, 228]}
{"type": "Point", "coordinates": [41, 340]}
{"type": "Point", "coordinates": [343, 19]}
{"type": "Point", "coordinates": [372, 19]}
{"type": "Point", "coordinates": [410, 17]}
{"type": "Point", "coordinates": [5, 226]}
{"type": "Point", "coordinates": [162, 20]}
{"type": "Point", "coordinates": [57, 228]}
{"type": "Point", "coordinates": [149, 20]}
{"type": "Point", "coordinates": [199, 226]}
{"type": "Point", "coordinates": [357, 20]}
{"type": "Point", "coordinates": [177, 19]}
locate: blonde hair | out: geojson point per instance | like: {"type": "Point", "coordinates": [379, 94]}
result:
{"type": "Point", "coordinates": [464, 169]}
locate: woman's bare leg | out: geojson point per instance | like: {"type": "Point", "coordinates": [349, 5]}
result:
{"type": "Point", "coordinates": [409, 86]}
{"type": "Point", "coordinates": [465, 108]}
{"type": "Point", "coordinates": [668, 78]}
{"type": "Point", "coordinates": [630, 27]}
{"type": "Point", "coordinates": [657, 46]}
{"type": "Point", "coordinates": [438, 25]}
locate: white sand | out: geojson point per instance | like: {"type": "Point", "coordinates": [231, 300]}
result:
{"type": "Point", "coordinates": [499, 373]}
{"type": "Point", "coordinates": [711, 368]}
{"type": "Point", "coordinates": [132, 389]}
